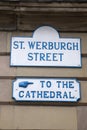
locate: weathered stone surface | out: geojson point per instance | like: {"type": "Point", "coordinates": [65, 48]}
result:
{"type": "Point", "coordinates": [82, 117]}
{"type": "Point", "coordinates": [28, 117]}
{"type": "Point", "coordinates": [7, 22]}
{"type": "Point", "coordinates": [5, 69]}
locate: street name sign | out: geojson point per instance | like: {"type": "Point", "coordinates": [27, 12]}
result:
{"type": "Point", "coordinates": [45, 48]}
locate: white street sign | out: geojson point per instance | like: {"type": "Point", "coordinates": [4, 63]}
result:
{"type": "Point", "coordinates": [46, 89]}
{"type": "Point", "coordinates": [45, 48]}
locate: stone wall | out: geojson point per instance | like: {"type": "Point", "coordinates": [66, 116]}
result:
{"type": "Point", "coordinates": [19, 18]}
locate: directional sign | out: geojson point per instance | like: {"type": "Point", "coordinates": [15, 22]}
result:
{"type": "Point", "coordinates": [45, 48]}
{"type": "Point", "coordinates": [46, 89]}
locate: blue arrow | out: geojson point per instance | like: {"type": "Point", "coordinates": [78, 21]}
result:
{"type": "Point", "coordinates": [24, 84]}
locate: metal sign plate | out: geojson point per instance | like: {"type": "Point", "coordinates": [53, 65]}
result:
{"type": "Point", "coordinates": [45, 48]}
{"type": "Point", "coordinates": [46, 89]}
